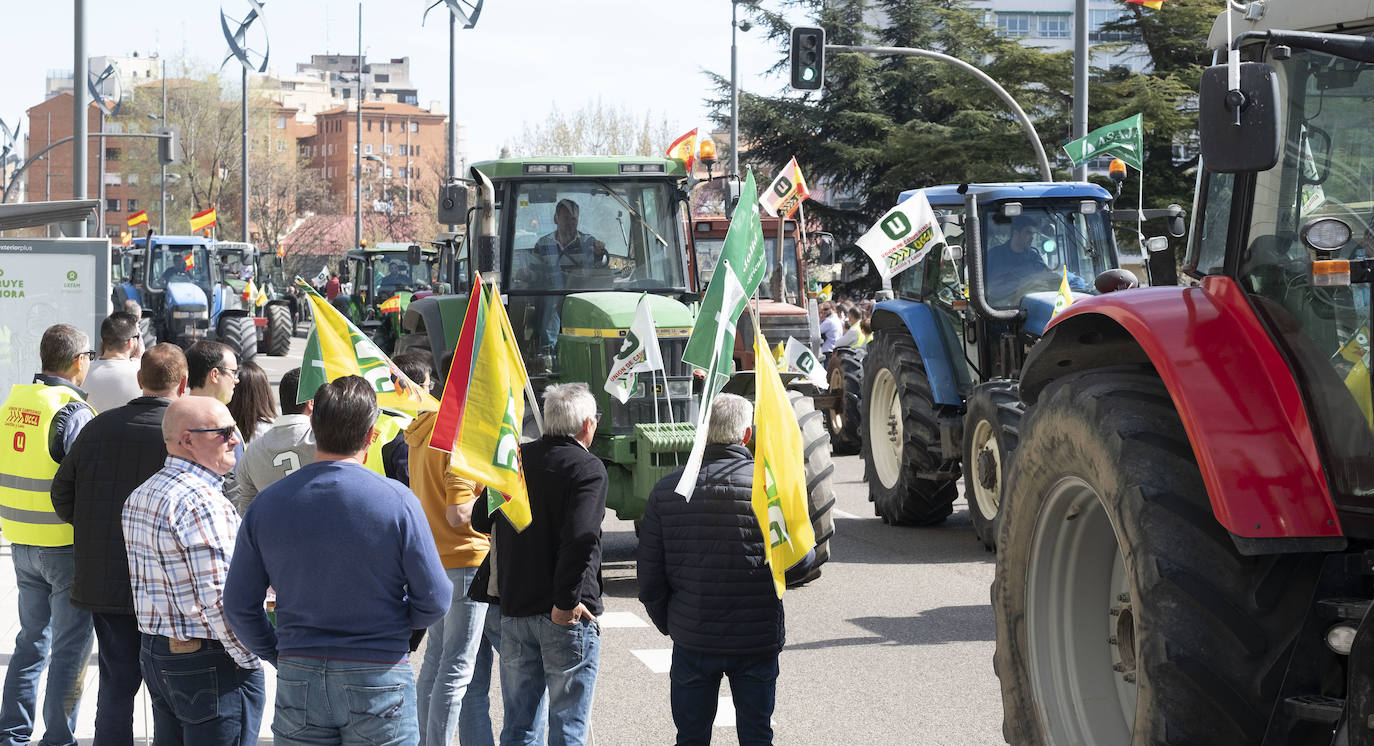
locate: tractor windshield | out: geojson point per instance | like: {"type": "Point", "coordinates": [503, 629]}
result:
{"type": "Point", "coordinates": [574, 236]}
{"type": "Point", "coordinates": [172, 262]}
{"type": "Point", "coordinates": [1030, 249]}
{"type": "Point", "coordinates": [391, 274]}
{"type": "Point", "coordinates": [1323, 175]}
{"type": "Point", "coordinates": [708, 254]}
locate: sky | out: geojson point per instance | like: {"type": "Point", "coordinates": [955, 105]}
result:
{"type": "Point", "coordinates": [522, 58]}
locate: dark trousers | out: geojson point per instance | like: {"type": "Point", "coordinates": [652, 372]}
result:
{"type": "Point", "coordinates": [695, 680]}
{"type": "Point", "coordinates": [201, 697]}
{"type": "Point", "coordinates": [119, 641]}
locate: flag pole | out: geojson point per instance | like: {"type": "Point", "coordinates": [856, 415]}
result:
{"type": "Point", "coordinates": [1140, 208]}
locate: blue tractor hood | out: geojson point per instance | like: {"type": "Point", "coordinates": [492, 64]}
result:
{"type": "Point", "coordinates": [183, 294]}
{"type": "Point", "coordinates": [1039, 309]}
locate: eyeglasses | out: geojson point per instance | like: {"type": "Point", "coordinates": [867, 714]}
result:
{"type": "Point", "coordinates": [231, 372]}
{"type": "Point", "coordinates": [224, 433]}
{"type": "Point", "coordinates": [89, 354]}
{"type": "Point", "coordinates": [598, 418]}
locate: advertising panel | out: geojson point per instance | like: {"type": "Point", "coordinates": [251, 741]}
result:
{"type": "Point", "coordinates": [46, 281]}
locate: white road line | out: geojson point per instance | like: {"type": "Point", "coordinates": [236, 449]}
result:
{"type": "Point", "coordinates": [841, 514]}
{"type": "Point", "coordinates": [658, 661]}
{"type": "Point", "coordinates": [725, 714]}
{"type": "Point", "coordinates": [620, 619]}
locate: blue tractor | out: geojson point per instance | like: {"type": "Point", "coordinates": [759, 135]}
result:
{"type": "Point", "coordinates": [939, 389]}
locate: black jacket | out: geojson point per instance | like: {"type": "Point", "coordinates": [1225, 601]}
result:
{"type": "Point", "coordinates": [119, 450]}
{"type": "Point", "coordinates": [556, 560]}
{"type": "Point", "coordinates": [703, 577]}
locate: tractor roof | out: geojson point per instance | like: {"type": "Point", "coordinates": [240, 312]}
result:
{"type": "Point", "coordinates": [573, 167]}
{"type": "Point", "coordinates": [391, 247]}
{"type": "Point", "coordinates": [159, 239]}
{"type": "Point", "coordinates": [947, 195]}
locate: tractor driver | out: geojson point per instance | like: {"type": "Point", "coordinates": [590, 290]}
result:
{"type": "Point", "coordinates": [1015, 268]}
{"type": "Point", "coordinates": [398, 278]}
{"type": "Point", "coordinates": [566, 248]}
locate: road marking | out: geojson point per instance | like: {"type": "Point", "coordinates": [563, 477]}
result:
{"type": "Point", "coordinates": [658, 661]}
{"type": "Point", "coordinates": [841, 514]}
{"type": "Point", "coordinates": [725, 714]}
{"type": "Point", "coordinates": [620, 619]}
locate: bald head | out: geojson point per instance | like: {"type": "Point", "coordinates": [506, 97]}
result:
{"type": "Point", "coordinates": [194, 429]}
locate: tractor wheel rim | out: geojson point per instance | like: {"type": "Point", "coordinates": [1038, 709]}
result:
{"type": "Point", "coordinates": [1080, 625]}
{"type": "Point", "coordinates": [836, 413]}
{"type": "Point", "coordinates": [986, 478]}
{"type": "Point", "coordinates": [885, 428]}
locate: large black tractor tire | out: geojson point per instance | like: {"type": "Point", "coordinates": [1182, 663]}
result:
{"type": "Point", "coordinates": [845, 372]}
{"type": "Point", "coordinates": [991, 427]}
{"type": "Point", "coordinates": [901, 450]}
{"type": "Point", "coordinates": [1124, 614]}
{"type": "Point", "coordinates": [280, 330]}
{"type": "Point", "coordinates": [240, 334]}
{"type": "Point", "coordinates": [820, 487]}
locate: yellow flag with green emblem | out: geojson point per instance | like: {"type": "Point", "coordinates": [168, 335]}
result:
{"type": "Point", "coordinates": [779, 497]}
{"type": "Point", "coordinates": [1065, 296]}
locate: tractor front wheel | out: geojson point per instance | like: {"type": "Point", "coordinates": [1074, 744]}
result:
{"type": "Point", "coordinates": [240, 334]}
{"type": "Point", "coordinates": [820, 488]}
{"type": "Point", "coordinates": [1124, 613]}
{"type": "Point", "coordinates": [280, 329]}
{"type": "Point", "coordinates": [990, 436]}
{"type": "Point", "coordinates": [846, 377]}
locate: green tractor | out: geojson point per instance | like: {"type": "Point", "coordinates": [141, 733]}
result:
{"type": "Point", "coordinates": [274, 312]}
{"type": "Point", "coordinates": [386, 277]}
{"type": "Point", "coordinates": [574, 243]}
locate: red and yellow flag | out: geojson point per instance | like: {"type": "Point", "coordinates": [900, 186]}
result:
{"type": "Point", "coordinates": [483, 407]}
{"type": "Point", "coordinates": [138, 218]}
{"type": "Point", "coordinates": [125, 237]}
{"type": "Point", "coordinates": [190, 261]}
{"type": "Point", "coordinates": [202, 220]}
{"type": "Point", "coordinates": [685, 149]}
{"type": "Point", "coordinates": [1151, 4]}
{"type": "Point", "coordinates": [391, 305]}
{"type": "Point", "coordinates": [786, 192]}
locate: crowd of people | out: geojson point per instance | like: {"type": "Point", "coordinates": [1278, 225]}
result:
{"type": "Point", "coordinates": [845, 324]}
{"type": "Point", "coordinates": [195, 529]}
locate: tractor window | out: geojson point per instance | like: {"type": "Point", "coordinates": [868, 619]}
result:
{"type": "Point", "coordinates": [172, 262]}
{"type": "Point", "coordinates": [391, 274]}
{"type": "Point", "coordinates": [1030, 252]}
{"type": "Point", "coordinates": [1208, 251]}
{"type": "Point", "coordinates": [708, 254]}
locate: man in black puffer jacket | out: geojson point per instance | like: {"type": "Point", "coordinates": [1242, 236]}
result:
{"type": "Point", "coordinates": [118, 451]}
{"type": "Point", "coordinates": [704, 581]}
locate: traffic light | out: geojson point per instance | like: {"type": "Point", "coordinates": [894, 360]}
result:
{"type": "Point", "coordinates": [167, 146]}
{"type": "Point", "coordinates": [808, 57]}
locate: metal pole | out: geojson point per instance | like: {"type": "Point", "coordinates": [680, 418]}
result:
{"type": "Point", "coordinates": [80, 128]}
{"type": "Point", "coordinates": [162, 206]}
{"type": "Point", "coordinates": [100, 180]}
{"type": "Point", "coordinates": [243, 153]}
{"type": "Point", "coordinates": [1080, 79]}
{"type": "Point", "coordinates": [734, 91]}
{"type": "Point", "coordinates": [358, 144]}
{"type": "Point", "coordinates": [1026, 126]}
{"type": "Point", "coordinates": [451, 168]}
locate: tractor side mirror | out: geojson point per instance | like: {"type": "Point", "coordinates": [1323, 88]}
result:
{"type": "Point", "coordinates": [414, 255]}
{"type": "Point", "coordinates": [1178, 223]}
{"type": "Point", "coordinates": [1241, 130]}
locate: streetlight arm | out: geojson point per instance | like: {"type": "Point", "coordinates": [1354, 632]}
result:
{"type": "Point", "coordinates": [14, 178]}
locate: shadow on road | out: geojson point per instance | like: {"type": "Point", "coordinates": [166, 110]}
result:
{"type": "Point", "coordinates": [928, 627]}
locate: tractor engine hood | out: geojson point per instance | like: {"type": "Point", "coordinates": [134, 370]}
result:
{"type": "Point", "coordinates": [585, 313]}
{"type": "Point", "coordinates": [1039, 309]}
{"type": "Point", "coordinates": [185, 294]}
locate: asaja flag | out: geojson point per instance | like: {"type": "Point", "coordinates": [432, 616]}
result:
{"type": "Point", "coordinates": [138, 218]}
{"type": "Point", "coordinates": [786, 192]}
{"type": "Point", "coordinates": [685, 149]}
{"type": "Point", "coordinates": [1065, 296]}
{"type": "Point", "coordinates": [323, 276]}
{"type": "Point", "coordinates": [202, 220]}
{"type": "Point", "coordinates": [480, 419]}
{"type": "Point", "coordinates": [743, 254]}
{"type": "Point", "coordinates": [337, 348]}
{"type": "Point", "coordinates": [779, 497]}
{"type": "Point", "coordinates": [1124, 140]}
{"type": "Point", "coordinates": [903, 236]}
{"type": "Point", "coordinates": [798, 358]}
{"type": "Point", "coordinates": [639, 353]}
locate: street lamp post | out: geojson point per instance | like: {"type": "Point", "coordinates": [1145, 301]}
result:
{"type": "Point", "coordinates": [735, 24]}
{"type": "Point", "coordinates": [358, 143]}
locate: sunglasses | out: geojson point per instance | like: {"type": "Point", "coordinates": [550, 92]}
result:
{"type": "Point", "coordinates": [225, 433]}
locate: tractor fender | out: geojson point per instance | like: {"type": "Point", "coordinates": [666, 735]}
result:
{"type": "Point", "coordinates": [1237, 397]}
{"type": "Point", "coordinates": [919, 321]}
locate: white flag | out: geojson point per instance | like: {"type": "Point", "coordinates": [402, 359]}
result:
{"type": "Point", "coordinates": [798, 358]}
{"type": "Point", "coordinates": [323, 276]}
{"type": "Point", "coordinates": [639, 353]}
{"type": "Point", "coordinates": [903, 236]}
{"type": "Point", "coordinates": [733, 295]}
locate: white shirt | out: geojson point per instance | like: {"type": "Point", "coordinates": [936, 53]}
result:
{"type": "Point", "coordinates": [111, 383]}
{"type": "Point", "coordinates": [831, 328]}
{"type": "Point", "coordinates": [286, 447]}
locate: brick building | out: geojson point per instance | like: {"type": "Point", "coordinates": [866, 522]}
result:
{"type": "Point", "coordinates": [403, 155]}
{"type": "Point", "coordinates": [51, 177]}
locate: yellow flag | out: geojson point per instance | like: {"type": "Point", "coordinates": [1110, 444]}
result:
{"type": "Point", "coordinates": [1356, 351]}
{"type": "Point", "coordinates": [1065, 295]}
{"type": "Point", "coordinates": [779, 497]}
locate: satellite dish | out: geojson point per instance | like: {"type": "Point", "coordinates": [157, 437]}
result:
{"type": "Point", "coordinates": [248, 38]}
{"type": "Point", "coordinates": [106, 89]}
{"type": "Point", "coordinates": [465, 11]}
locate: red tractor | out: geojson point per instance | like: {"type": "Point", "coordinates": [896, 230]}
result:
{"type": "Point", "coordinates": [1189, 554]}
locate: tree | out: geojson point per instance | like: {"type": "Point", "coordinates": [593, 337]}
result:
{"type": "Point", "coordinates": [595, 129]}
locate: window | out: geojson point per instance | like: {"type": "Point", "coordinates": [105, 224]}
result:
{"type": "Point", "coordinates": [133, 179]}
{"type": "Point", "coordinates": [381, 78]}
{"type": "Point", "coordinates": [414, 126]}
{"type": "Point", "coordinates": [1013, 24]}
{"type": "Point", "coordinates": [281, 123]}
{"type": "Point", "coordinates": [402, 173]}
{"type": "Point", "coordinates": [347, 92]}
{"type": "Point", "coordinates": [403, 149]}
{"type": "Point", "coordinates": [1055, 26]}
{"type": "Point", "coordinates": [1098, 18]}
{"type": "Point", "coordinates": [112, 179]}
{"type": "Point", "coordinates": [369, 125]}
{"type": "Point", "coordinates": [367, 149]}
{"type": "Point", "coordinates": [112, 205]}
{"type": "Point", "coordinates": [386, 150]}
{"type": "Point", "coordinates": [415, 150]}
{"type": "Point", "coordinates": [386, 172]}
{"type": "Point", "coordinates": [133, 205]}
{"type": "Point", "coordinates": [111, 154]}
{"type": "Point", "coordinates": [388, 125]}
{"type": "Point", "coordinates": [281, 146]}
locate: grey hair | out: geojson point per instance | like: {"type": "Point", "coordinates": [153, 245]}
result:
{"type": "Point", "coordinates": [566, 407]}
{"type": "Point", "coordinates": [731, 416]}
{"type": "Point", "coordinates": [60, 345]}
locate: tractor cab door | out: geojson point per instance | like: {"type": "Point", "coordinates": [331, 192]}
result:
{"type": "Point", "coordinates": [941, 282]}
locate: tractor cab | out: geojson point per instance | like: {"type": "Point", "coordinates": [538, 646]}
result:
{"type": "Point", "coordinates": [386, 277]}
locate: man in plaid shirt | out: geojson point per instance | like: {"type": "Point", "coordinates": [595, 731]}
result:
{"type": "Point", "coordinates": [180, 531]}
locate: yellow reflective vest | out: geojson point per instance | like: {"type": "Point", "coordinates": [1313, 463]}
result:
{"type": "Point", "coordinates": [26, 466]}
{"type": "Point", "coordinates": [389, 425]}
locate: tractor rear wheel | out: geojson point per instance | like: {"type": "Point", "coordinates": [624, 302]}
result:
{"type": "Point", "coordinates": [279, 330]}
{"type": "Point", "coordinates": [820, 488]}
{"type": "Point", "coordinates": [846, 376]}
{"type": "Point", "coordinates": [1124, 613]}
{"type": "Point", "coordinates": [902, 438]}
{"type": "Point", "coordinates": [240, 334]}
{"type": "Point", "coordinates": [990, 435]}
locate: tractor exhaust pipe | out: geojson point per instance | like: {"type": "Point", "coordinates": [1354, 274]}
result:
{"type": "Point", "coordinates": [978, 291]}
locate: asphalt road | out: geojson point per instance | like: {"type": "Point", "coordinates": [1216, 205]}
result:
{"type": "Point", "coordinates": [891, 645]}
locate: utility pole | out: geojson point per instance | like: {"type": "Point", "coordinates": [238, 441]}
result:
{"type": "Point", "coordinates": [80, 128]}
{"type": "Point", "coordinates": [358, 143]}
{"type": "Point", "coordinates": [162, 206]}
{"type": "Point", "coordinates": [734, 90]}
{"type": "Point", "coordinates": [1080, 79]}
{"type": "Point", "coordinates": [243, 153]}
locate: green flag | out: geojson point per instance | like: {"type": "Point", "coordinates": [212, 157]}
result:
{"type": "Point", "coordinates": [1124, 139]}
{"type": "Point", "coordinates": [743, 254]}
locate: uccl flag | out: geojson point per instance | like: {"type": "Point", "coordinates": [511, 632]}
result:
{"type": "Point", "coordinates": [903, 236]}
{"type": "Point", "coordinates": [786, 192]}
{"type": "Point", "coordinates": [1065, 297]}
{"type": "Point", "coordinates": [799, 358]}
{"type": "Point", "coordinates": [639, 353]}
{"type": "Point", "coordinates": [779, 497]}
{"type": "Point", "coordinates": [338, 348]}
{"type": "Point", "coordinates": [480, 418]}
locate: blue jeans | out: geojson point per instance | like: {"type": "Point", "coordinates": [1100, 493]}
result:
{"type": "Point", "coordinates": [119, 649]}
{"type": "Point", "coordinates": [537, 654]}
{"type": "Point", "coordinates": [47, 622]}
{"type": "Point", "coordinates": [474, 723]}
{"type": "Point", "coordinates": [201, 697]}
{"type": "Point", "coordinates": [344, 702]}
{"type": "Point", "coordinates": [695, 690]}
{"type": "Point", "coordinates": [450, 654]}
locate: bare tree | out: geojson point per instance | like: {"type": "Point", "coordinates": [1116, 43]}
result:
{"type": "Point", "coordinates": [595, 129]}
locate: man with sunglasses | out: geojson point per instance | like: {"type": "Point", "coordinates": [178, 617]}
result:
{"type": "Point", "coordinates": [212, 370]}
{"type": "Point", "coordinates": [38, 425]}
{"type": "Point", "coordinates": [179, 531]}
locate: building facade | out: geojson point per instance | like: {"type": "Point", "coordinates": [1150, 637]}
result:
{"type": "Point", "coordinates": [403, 151]}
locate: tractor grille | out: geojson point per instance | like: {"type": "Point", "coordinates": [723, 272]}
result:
{"type": "Point", "coordinates": [640, 407]}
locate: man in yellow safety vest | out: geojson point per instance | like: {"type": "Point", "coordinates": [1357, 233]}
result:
{"type": "Point", "coordinates": [39, 422]}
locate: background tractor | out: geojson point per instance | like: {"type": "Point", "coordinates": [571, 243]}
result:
{"type": "Point", "coordinates": [1188, 558]}
{"type": "Point", "coordinates": [387, 271]}
{"type": "Point", "coordinates": [275, 319]}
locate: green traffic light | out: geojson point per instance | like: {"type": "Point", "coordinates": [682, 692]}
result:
{"type": "Point", "coordinates": [808, 74]}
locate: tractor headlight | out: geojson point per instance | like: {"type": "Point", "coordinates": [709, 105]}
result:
{"type": "Point", "coordinates": [1340, 638]}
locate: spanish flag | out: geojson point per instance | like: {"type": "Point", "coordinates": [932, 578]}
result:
{"type": "Point", "coordinates": [685, 149]}
{"type": "Point", "coordinates": [190, 261]}
{"type": "Point", "coordinates": [391, 305]}
{"type": "Point", "coordinates": [202, 220]}
{"type": "Point", "coordinates": [125, 237]}
{"type": "Point", "coordinates": [480, 417]}
{"type": "Point", "coordinates": [254, 294]}
{"type": "Point", "coordinates": [1151, 4]}
{"type": "Point", "coordinates": [138, 218]}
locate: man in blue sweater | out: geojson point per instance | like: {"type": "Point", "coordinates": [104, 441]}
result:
{"type": "Point", "coordinates": [355, 569]}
